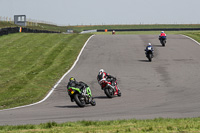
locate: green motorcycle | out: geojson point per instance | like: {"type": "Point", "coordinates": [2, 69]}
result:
{"type": "Point", "coordinates": [81, 97]}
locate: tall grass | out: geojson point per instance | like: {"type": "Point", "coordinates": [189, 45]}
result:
{"type": "Point", "coordinates": [137, 126]}
{"type": "Point", "coordinates": [30, 64]}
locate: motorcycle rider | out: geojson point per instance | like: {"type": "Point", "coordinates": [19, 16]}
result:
{"type": "Point", "coordinates": [73, 83]}
{"type": "Point", "coordinates": [162, 36]}
{"type": "Point", "coordinates": [149, 46]}
{"type": "Point", "coordinates": [102, 75]}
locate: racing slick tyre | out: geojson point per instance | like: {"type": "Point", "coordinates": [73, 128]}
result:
{"type": "Point", "coordinates": [79, 100]}
{"type": "Point", "coordinates": [163, 43]}
{"type": "Point", "coordinates": [119, 93]}
{"type": "Point", "coordinates": [93, 103]}
{"type": "Point", "coordinates": [150, 57]}
{"type": "Point", "coordinates": [109, 92]}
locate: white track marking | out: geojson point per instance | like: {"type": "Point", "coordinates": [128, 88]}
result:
{"type": "Point", "coordinates": [56, 83]}
{"type": "Point", "coordinates": [191, 39]}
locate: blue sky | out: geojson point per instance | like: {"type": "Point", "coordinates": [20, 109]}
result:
{"type": "Point", "coordinates": [98, 12]}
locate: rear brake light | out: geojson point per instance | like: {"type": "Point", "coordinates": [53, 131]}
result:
{"type": "Point", "coordinates": [70, 89]}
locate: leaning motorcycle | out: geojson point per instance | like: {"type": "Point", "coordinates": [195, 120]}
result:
{"type": "Point", "coordinates": [81, 97]}
{"type": "Point", "coordinates": [110, 87]}
{"type": "Point", "coordinates": [149, 54]}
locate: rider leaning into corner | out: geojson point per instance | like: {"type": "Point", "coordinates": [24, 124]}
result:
{"type": "Point", "coordinates": [149, 46]}
{"type": "Point", "coordinates": [102, 75]}
{"type": "Point", "coordinates": [73, 83]}
{"type": "Point", "coordinates": [162, 35]}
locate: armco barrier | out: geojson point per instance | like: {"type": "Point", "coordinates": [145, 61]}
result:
{"type": "Point", "coordinates": [6, 31]}
{"type": "Point", "coordinates": [169, 29]}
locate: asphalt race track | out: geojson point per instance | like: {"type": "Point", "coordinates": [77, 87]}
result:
{"type": "Point", "coordinates": [167, 87]}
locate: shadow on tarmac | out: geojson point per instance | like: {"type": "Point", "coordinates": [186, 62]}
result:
{"type": "Point", "coordinates": [101, 97]}
{"type": "Point", "coordinates": [158, 46]}
{"type": "Point", "coordinates": [143, 60]}
{"type": "Point", "coordinates": [69, 106]}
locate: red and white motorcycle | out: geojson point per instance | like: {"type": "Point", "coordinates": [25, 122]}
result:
{"type": "Point", "coordinates": [110, 87]}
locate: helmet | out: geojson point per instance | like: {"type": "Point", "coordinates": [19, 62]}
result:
{"type": "Point", "coordinates": [101, 71]}
{"type": "Point", "coordinates": [162, 31]}
{"type": "Point", "coordinates": [149, 44]}
{"type": "Point", "coordinates": [72, 79]}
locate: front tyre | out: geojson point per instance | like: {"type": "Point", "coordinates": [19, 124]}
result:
{"type": "Point", "coordinates": [119, 92]}
{"type": "Point", "coordinates": [79, 99]}
{"type": "Point", "coordinates": [109, 92]}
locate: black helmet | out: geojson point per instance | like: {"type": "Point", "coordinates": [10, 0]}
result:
{"type": "Point", "coordinates": [72, 79]}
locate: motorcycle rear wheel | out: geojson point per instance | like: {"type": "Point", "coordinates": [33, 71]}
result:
{"type": "Point", "coordinates": [163, 43]}
{"type": "Point", "coordinates": [150, 57]}
{"type": "Point", "coordinates": [79, 100]}
{"type": "Point", "coordinates": [109, 92]}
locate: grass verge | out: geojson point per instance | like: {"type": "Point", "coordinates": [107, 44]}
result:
{"type": "Point", "coordinates": [194, 35]}
{"type": "Point", "coordinates": [118, 126]}
{"type": "Point", "coordinates": [32, 63]}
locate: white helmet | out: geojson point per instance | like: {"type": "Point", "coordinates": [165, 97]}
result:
{"type": "Point", "coordinates": [101, 71]}
{"type": "Point", "coordinates": [162, 31]}
{"type": "Point", "coordinates": [149, 44]}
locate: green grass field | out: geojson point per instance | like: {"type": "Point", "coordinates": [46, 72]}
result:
{"type": "Point", "coordinates": [32, 63]}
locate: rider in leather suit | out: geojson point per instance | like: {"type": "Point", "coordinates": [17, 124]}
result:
{"type": "Point", "coordinates": [73, 83]}
{"type": "Point", "coordinates": [102, 75]}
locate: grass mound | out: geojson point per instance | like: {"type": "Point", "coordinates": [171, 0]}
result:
{"type": "Point", "coordinates": [32, 63]}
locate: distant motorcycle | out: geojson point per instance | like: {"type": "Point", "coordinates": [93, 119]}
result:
{"type": "Point", "coordinates": [163, 40]}
{"type": "Point", "coordinates": [149, 53]}
{"type": "Point", "coordinates": [110, 87]}
{"type": "Point", "coordinates": [81, 97]}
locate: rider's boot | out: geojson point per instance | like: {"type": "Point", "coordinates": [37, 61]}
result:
{"type": "Point", "coordinates": [90, 99]}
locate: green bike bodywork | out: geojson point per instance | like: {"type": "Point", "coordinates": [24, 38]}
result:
{"type": "Point", "coordinates": [75, 90]}
{"type": "Point", "coordinates": [81, 97]}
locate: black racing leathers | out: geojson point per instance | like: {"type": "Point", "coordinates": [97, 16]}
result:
{"type": "Point", "coordinates": [81, 85]}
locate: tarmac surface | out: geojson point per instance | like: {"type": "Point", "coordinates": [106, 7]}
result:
{"type": "Point", "coordinates": [167, 87]}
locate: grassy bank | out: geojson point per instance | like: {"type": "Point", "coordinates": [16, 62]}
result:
{"type": "Point", "coordinates": [40, 26]}
{"type": "Point", "coordinates": [122, 126]}
{"type": "Point", "coordinates": [32, 63]}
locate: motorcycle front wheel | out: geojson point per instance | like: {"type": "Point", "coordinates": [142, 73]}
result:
{"type": "Point", "coordinates": [79, 100]}
{"type": "Point", "coordinates": [119, 92]}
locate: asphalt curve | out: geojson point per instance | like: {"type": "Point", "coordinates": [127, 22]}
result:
{"type": "Point", "coordinates": [167, 87]}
